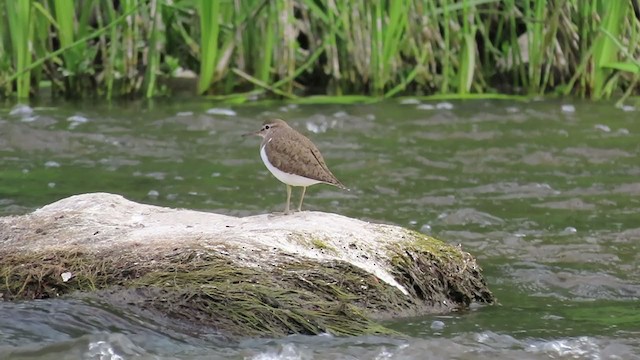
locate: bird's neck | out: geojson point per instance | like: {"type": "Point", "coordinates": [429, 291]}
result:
{"type": "Point", "coordinates": [268, 138]}
{"type": "Point", "coordinates": [265, 140]}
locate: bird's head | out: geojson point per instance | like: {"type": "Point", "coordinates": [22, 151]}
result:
{"type": "Point", "coordinates": [268, 127]}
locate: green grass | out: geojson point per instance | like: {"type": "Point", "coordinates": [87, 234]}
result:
{"type": "Point", "coordinates": [605, 49]}
{"type": "Point", "coordinates": [18, 16]}
{"type": "Point", "coordinates": [293, 48]}
{"type": "Point", "coordinates": [209, 31]}
{"type": "Point", "coordinates": [467, 52]}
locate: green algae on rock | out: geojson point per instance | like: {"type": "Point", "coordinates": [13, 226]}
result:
{"type": "Point", "coordinates": [266, 275]}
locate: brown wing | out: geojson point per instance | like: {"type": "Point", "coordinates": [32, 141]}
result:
{"type": "Point", "coordinates": [293, 153]}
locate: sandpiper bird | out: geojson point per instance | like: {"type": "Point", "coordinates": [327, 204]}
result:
{"type": "Point", "coordinates": [292, 158]}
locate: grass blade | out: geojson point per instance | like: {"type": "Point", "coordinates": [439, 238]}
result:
{"type": "Point", "coordinates": [20, 30]}
{"type": "Point", "coordinates": [605, 49]}
{"type": "Point", "coordinates": [209, 29]}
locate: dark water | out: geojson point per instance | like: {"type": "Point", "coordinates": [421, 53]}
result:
{"type": "Point", "coordinates": [545, 194]}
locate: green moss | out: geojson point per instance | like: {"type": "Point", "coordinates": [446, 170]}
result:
{"type": "Point", "coordinates": [306, 240]}
{"type": "Point", "coordinates": [39, 275]}
{"type": "Point", "coordinates": [321, 245]}
{"type": "Point", "coordinates": [439, 274]}
{"type": "Point", "coordinates": [292, 296]}
{"type": "Point", "coordinates": [437, 247]}
{"type": "Point", "coordinates": [196, 286]}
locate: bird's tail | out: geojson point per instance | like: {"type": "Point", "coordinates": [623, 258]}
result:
{"type": "Point", "coordinates": [339, 184]}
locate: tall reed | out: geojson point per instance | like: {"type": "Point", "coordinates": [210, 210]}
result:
{"type": "Point", "coordinates": [288, 48]}
{"type": "Point", "coordinates": [18, 16]}
{"type": "Point", "coordinates": [209, 29]}
{"type": "Point", "coordinates": [468, 50]}
{"type": "Point", "coordinates": [605, 51]}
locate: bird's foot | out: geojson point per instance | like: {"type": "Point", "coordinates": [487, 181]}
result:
{"type": "Point", "coordinates": [291, 212]}
{"type": "Point", "coordinates": [280, 213]}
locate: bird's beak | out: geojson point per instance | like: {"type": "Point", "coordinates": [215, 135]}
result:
{"type": "Point", "coordinates": [255, 133]}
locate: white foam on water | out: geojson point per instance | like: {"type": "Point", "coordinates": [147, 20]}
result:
{"type": "Point", "coordinates": [437, 325]}
{"type": "Point", "coordinates": [102, 350]}
{"type": "Point", "coordinates": [384, 354]}
{"type": "Point", "coordinates": [221, 111]}
{"type": "Point", "coordinates": [603, 128]}
{"type": "Point", "coordinates": [410, 101]}
{"type": "Point", "coordinates": [285, 352]}
{"type": "Point", "coordinates": [569, 230]}
{"type": "Point", "coordinates": [316, 128]}
{"type": "Point", "coordinates": [21, 110]}
{"type": "Point", "coordinates": [77, 119]}
{"type": "Point", "coordinates": [425, 107]}
{"type": "Point", "coordinates": [578, 348]}
{"type": "Point", "coordinates": [444, 106]}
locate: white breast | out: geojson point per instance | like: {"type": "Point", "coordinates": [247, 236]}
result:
{"type": "Point", "coordinates": [287, 178]}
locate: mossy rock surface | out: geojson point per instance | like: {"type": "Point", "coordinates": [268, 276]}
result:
{"type": "Point", "coordinates": [266, 275]}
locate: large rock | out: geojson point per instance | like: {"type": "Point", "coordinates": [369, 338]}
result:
{"type": "Point", "coordinates": [264, 275]}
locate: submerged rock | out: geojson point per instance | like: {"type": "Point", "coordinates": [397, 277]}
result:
{"type": "Point", "coordinates": [265, 275]}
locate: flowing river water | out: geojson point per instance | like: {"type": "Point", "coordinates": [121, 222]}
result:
{"type": "Point", "coordinates": [546, 194]}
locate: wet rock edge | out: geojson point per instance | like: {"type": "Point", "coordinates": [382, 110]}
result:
{"type": "Point", "coordinates": [300, 295]}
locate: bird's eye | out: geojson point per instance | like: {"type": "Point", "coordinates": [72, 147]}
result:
{"type": "Point", "coordinates": [266, 127]}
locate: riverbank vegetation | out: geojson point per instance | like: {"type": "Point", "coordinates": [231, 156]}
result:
{"type": "Point", "coordinates": [290, 48]}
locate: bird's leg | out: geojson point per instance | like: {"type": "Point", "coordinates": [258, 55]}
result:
{"type": "Point", "coordinates": [304, 189]}
{"type": "Point", "coordinates": [286, 209]}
